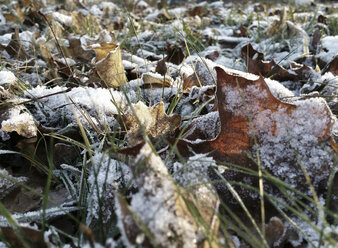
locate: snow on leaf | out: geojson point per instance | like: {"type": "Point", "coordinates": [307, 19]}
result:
{"type": "Point", "coordinates": [154, 120]}
{"type": "Point", "coordinates": [6, 185]}
{"type": "Point", "coordinates": [248, 110]}
{"type": "Point", "coordinates": [159, 208]}
{"type": "Point", "coordinates": [15, 118]}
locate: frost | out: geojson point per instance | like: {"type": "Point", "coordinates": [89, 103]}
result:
{"type": "Point", "coordinates": [20, 122]}
{"type": "Point", "coordinates": [156, 203]}
{"type": "Point", "coordinates": [296, 137]}
{"type": "Point", "coordinates": [330, 48]}
{"type": "Point", "coordinates": [7, 77]}
{"type": "Point", "coordinates": [106, 176]}
{"type": "Point", "coordinates": [195, 171]}
{"type": "Point", "coordinates": [34, 216]}
{"type": "Point", "coordinates": [99, 102]}
{"type": "Point", "coordinates": [7, 185]}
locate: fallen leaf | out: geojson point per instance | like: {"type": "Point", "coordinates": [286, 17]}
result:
{"type": "Point", "coordinates": [161, 68]}
{"type": "Point", "coordinates": [274, 231]}
{"type": "Point", "coordinates": [332, 66]}
{"type": "Point", "coordinates": [212, 55]}
{"type": "Point", "coordinates": [160, 212]}
{"type": "Point", "coordinates": [322, 19]}
{"type": "Point", "coordinates": [6, 185]}
{"type": "Point", "coordinates": [151, 80]}
{"type": "Point", "coordinates": [154, 121]}
{"type": "Point", "coordinates": [175, 54]}
{"type": "Point", "coordinates": [30, 236]}
{"type": "Point", "coordinates": [78, 51]}
{"type": "Point", "coordinates": [202, 76]}
{"type": "Point", "coordinates": [317, 35]}
{"type": "Point", "coordinates": [248, 111]}
{"type": "Point", "coordinates": [108, 64]}
{"type": "Point", "coordinates": [16, 118]}
{"type": "Point", "coordinates": [256, 65]}
{"type": "Point", "coordinates": [241, 32]}
{"type": "Point", "coordinates": [15, 48]}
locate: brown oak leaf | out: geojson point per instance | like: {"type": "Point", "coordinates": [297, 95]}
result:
{"type": "Point", "coordinates": [250, 113]}
{"type": "Point", "coordinates": [256, 65]}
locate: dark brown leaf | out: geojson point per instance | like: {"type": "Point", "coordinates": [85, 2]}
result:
{"type": "Point", "coordinates": [332, 66]}
{"type": "Point", "coordinates": [175, 54]}
{"type": "Point", "coordinates": [161, 68]}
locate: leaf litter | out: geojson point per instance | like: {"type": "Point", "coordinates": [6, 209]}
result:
{"type": "Point", "coordinates": [161, 117]}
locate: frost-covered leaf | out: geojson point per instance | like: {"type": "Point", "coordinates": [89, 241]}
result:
{"type": "Point", "coordinates": [154, 121]}
{"type": "Point", "coordinates": [7, 185]}
{"type": "Point", "coordinates": [15, 118]}
{"type": "Point", "coordinates": [203, 75]}
{"type": "Point", "coordinates": [248, 109]}
{"type": "Point", "coordinates": [159, 213]}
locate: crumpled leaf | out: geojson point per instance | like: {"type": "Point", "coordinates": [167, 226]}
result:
{"type": "Point", "coordinates": [108, 64]}
{"type": "Point", "coordinates": [154, 121]}
{"type": "Point", "coordinates": [15, 118]}
{"type": "Point", "coordinates": [159, 212]}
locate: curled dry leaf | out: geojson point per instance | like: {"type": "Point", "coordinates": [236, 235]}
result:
{"type": "Point", "coordinates": [160, 209]}
{"type": "Point", "coordinates": [152, 80]}
{"type": "Point", "coordinates": [154, 121]}
{"type": "Point", "coordinates": [256, 65]}
{"type": "Point", "coordinates": [108, 64]}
